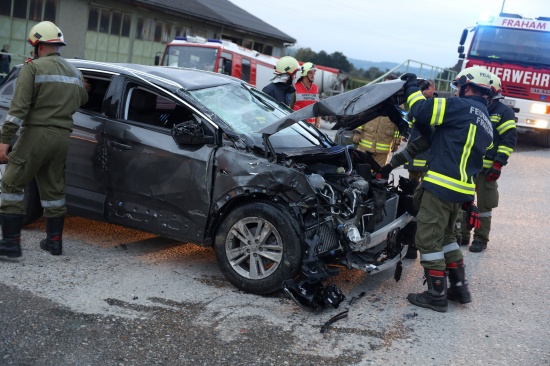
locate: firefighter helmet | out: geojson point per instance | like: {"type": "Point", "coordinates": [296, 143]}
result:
{"type": "Point", "coordinates": [476, 75]}
{"type": "Point", "coordinates": [46, 32]}
{"type": "Point", "coordinates": [287, 65]}
{"type": "Point", "coordinates": [308, 66]}
{"type": "Point", "coordinates": [497, 88]}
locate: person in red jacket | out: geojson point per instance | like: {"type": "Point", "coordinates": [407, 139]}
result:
{"type": "Point", "coordinates": [306, 92]}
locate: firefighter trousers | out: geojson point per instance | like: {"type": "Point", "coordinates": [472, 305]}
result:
{"type": "Point", "coordinates": [40, 153]}
{"type": "Point", "coordinates": [435, 236]}
{"type": "Point", "coordinates": [487, 199]}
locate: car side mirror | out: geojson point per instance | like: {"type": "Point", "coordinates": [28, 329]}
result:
{"type": "Point", "coordinates": [190, 133]}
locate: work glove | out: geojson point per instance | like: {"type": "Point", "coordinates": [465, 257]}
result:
{"type": "Point", "coordinates": [394, 148]}
{"type": "Point", "coordinates": [410, 80]}
{"type": "Point", "coordinates": [385, 171]}
{"type": "Point", "coordinates": [472, 215]}
{"type": "Point", "coordinates": [494, 172]}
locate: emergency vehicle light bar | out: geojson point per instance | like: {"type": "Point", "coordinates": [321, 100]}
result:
{"type": "Point", "coordinates": [197, 39]}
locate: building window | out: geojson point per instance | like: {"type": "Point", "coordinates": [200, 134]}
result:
{"type": "Point", "coordinates": [20, 9]}
{"type": "Point", "coordinates": [259, 47]}
{"type": "Point", "coordinates": [5, 8]}
{"type": "Point", "coordinates": [104, 21]}
{"type": "Point", "coordinates": [268, 50]}
{"type": "Point", "coordinates": [145, 29]}
{"type": "Point", "coordinates": [158, 31]}
{"type": "Point", "coordinates": [116, 19]}
{"type": "Point", "coordinates": [126, 21]}
{"type": "Point", "coordinates": [50, 9]}
{"type": "Point", "coordinates": [93, 19]}
{"type": "Point", "coordinates": [35, 12]}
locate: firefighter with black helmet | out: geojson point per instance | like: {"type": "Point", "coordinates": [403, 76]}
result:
{"type": "Point", "coordinates": [462, 133]}
{"type": "Point", "coordinates": [281, 87]}
{"type": "Point", "coordinates": [504, 142]}
{"type": "Point", "coordinates": [49, 91]}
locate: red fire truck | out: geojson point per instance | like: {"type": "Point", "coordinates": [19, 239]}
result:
{"type": "Point", "coordinates": [517, 50]}
{"type": "Point", "coordinates": [231, 59]}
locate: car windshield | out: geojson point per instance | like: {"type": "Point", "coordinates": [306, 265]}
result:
{"type": "Point", "coordinates": [247, 111]}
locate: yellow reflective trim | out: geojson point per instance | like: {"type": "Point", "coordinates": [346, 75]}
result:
{"type": "Point", "coordinates": [487, 163]}
{"type": "Point", "coordinates": [505, 150]}
{"type": "Point", "coordinates": [365, 143]}
{"type": "Point", "coordinates": [490, 146]}
{"type": "Point", "coordinates": [450, 183]}
{"type": "Point", "coordinates": [505, 126]}
{"type": "Point", "coordinates": [415, 97]}
{"type": "Point", "coordinates": [495, 118]}
{"type": "Point", "coordinates": [438, 111]}
{"type": "Point", "coordinates": [419, 162]}
{"type": "Point", "coordinates": [466, 151]}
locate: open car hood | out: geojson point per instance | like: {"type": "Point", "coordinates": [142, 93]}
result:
{"type": "Point", "coordinates": [351, 109]}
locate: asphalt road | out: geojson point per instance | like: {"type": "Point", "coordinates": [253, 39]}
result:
{"type": "Point", "coordinates": [122, 297]}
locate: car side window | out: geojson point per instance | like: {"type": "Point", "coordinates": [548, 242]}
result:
{"type": "Point", "coordinates": [153, 109]}
{"type": "Point", "coordinates": [96, 94]}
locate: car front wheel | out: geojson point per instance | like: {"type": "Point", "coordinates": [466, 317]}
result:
{"type": "Point", "coordinates": [258, 247]}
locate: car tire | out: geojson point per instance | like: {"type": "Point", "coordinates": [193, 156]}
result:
{"type": "Point", "coordinates": [276, 258]}
{"type": "Point", "coordinates": [31, 200]}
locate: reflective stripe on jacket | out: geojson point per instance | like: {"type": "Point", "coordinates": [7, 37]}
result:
{"type": "Point", "coordinates": [462, 134]}
{"type": "Point", "coordinates": [48, 92]}
{"type": "Point", "coordinates": [378, 135]}
{"type": "Point", "coordinates": [504, 134]}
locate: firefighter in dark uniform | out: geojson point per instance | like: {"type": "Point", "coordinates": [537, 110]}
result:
{"type": "Point", "coordinates": [49, 91]}
{"type": "Point", "coordinates": [282, 87]}
{"type": "Point", "coordinates": [504, 141]}
{"type": "Point", "coordinates": [418, 166]}
{"type": "Point", "coordinates": [462, 133]}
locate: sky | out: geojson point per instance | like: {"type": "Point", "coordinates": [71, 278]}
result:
{"type": "Point", "coordinates": [425, 31]}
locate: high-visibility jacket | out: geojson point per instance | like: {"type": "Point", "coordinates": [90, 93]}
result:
{"type": "Point", "coordinates": [305, 97]}
{"type": "Point", "coordinates": [463, 133]}
{"type": "Point", "coordinates": [504, 134]}
{"type": "Point", "coordinates": [378, 135]}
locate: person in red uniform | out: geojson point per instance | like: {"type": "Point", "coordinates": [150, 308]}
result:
{"type": "Point", "coordinates": [306, 92]}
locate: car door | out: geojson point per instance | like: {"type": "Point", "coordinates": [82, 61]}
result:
{"type": "Point", "coordinates": [86, 159]}
{"type": "Point", "coordinates": [155, 184]}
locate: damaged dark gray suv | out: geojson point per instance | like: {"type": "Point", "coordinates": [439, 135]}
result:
{"type": "Point", "coordinates": [205, 158]}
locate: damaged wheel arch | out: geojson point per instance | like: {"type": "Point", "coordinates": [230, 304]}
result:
{"type": "Point", "coordinates": [258, 246]}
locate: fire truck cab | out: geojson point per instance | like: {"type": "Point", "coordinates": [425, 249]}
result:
{"type": "Point", "coordinates": [517, 50]}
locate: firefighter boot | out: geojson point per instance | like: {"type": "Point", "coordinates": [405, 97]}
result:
{"type": "Point", "coordinates": [54, 230]}
{"type": "Point", "coordinates": [412, 251]}
{"type": "Point", "coordinates": [478, 246]}
{"type": "Point", "coordinates": [436, 296]}
{"type": "Point", "coordinates": [10, 245]}
{"type": "Point", "coordinates": [459, 286]}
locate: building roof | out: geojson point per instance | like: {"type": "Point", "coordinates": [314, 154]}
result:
{"type": "Point", "coordinates": [222, 12]}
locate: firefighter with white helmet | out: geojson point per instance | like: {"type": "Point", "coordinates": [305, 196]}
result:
{"type": "Point", "coordinates": [307, 92]}
{"type": "Point", "coordinates": [504, 140]}
{"type": "Point", "coordinates": [281, 87]}
{"type": "Point", "coordinates": [49, 91]}
{"type": "Point", "coordinates": [459, 132]}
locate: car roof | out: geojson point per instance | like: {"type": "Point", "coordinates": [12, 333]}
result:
{"type": "Point", "coordinates": [173, 78]}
